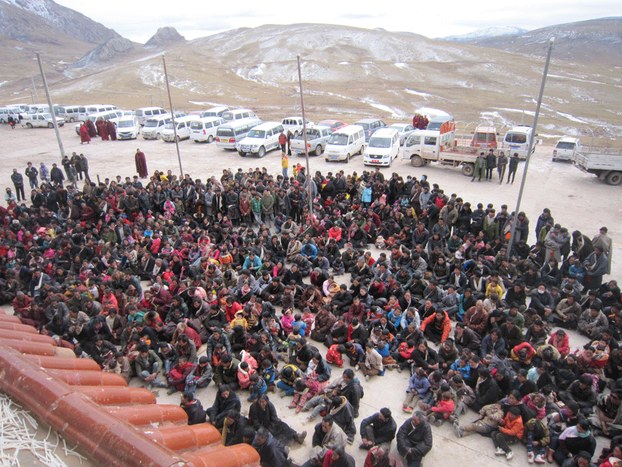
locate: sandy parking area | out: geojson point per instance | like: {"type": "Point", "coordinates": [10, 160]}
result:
{"type": "Point", "coordinates": [577, 201]}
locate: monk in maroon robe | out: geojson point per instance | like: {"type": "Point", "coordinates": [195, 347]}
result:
{"type": "Point", "coordinates": [91, 127]}
{"type": "Point", "coordinates": [141, 164]}
{"type": "Point", "coordinates": [103, 131]}
{"type": "Point", "coordinates": [112, 130]}
{"type": "Point", "coordinates": [84, 134]}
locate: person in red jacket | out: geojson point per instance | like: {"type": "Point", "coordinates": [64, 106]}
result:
{"type": "Point", "coordinates": [523, 353]}
{"type": "Point", "coordinates": [442, 410]}
{"type": "Point", "coordinates": [559, 340]}
{"type": "Point", "coordinates": [334, 354]}
{"type": "Point", "coordinates": [437, 327]}
{"type": "Point", "coordinates": [510, 430]}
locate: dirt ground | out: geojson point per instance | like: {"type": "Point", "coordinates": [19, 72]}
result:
{"type": "Point", "coordinates": [577, 201]}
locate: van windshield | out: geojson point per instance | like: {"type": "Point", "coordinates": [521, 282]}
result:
{"type": "Point", "coordinates": [125, 123]}
{"type": "Point", "coordinates": [152, 124]}
{"type": "Point", "coordinates": [565, 145]}
{"type": "Point", "coordinates": [516, 138]}
{"type": "Point", "coordinates": [196, 125]}
{"type": "Point", "coordinates": [377, 142]}
{"type": "Point", "coordinates": [338, 139]}
{"type": "Point", "coordinates": [256, 134]}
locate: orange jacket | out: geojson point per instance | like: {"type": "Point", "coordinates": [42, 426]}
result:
{"type": "Point", "coordinates": [513, 427]}
{"type": "Point", "coordinates": [446, 325]}
{"type": "Point", "coordinates": [444, 407]}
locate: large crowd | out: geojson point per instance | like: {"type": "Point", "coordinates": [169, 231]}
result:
{"type": "Point", "coordinates": [260, 283]}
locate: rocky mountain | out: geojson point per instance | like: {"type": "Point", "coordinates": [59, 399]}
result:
{"type": "Point", "coordinates": [164, 37]}
{"type": "Point", "coordinates": [17, 17]}
{"type": "Point", "coordinates": [486, 33]}
{"type": "Point", "coordinates": [592, 41]}
{"type": "Point", "coordinates": [111, 50]}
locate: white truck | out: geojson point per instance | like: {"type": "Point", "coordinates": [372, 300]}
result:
{"type": "Point", "coordinates": [424, 146]}
{"type": "Point", "coordinates": [316, 141]}
{"type": "Point", "coordinates": [606, 163]}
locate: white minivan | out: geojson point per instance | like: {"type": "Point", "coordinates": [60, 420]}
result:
{"type": "Point", "coordinates": [238, 114]}
{"type": "Point", "coordinates": [214, 111]}
{"type": "Point", "coordinates": [345, 143]}
{"type": "Point", "coordinates": [204, 129]}
{"type": "Point", "coordinates": [383, 147]}
{"type": "Point", "coordinates": [183, 129]}
{"type": "Point", "coordinates": [153, 127]}
{"type": "Point", "coordinates": [145, 113]}
{"type": "Point", "coordinates": [229, 133]}
{"type": "Point", "coordinates": [260, 140]}
{"type": "Point", "coordinates": [566, 148]}
{"type": "Point", "coordinates": [128, 127]}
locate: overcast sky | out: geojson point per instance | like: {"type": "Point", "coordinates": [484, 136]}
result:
{"type": "Point", "coordinates": [139, 19]}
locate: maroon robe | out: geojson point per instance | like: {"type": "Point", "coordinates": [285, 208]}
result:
{"type": "Point", "coordinates": [91, 127]}
{"type": "Point", "coordinates": [112, 130]}
{"type": "Point", "coordinates": [141, 164]}
{"type": "Point", "coordinates": [84, 134]}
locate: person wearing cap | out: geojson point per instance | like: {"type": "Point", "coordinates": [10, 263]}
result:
{"type": "Point", "coordinates": [378, 430]}
{"type": "Point", "coordinates": [414, 439]}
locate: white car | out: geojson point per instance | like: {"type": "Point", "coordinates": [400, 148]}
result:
{"type": "Point", "coordinates": [294, 124]}
{"type": "Point", "coordinates": [403, 129]}
{"type": "Point", "coordinates": [41, 121]}
{"type": "Point", "coordinates": [128, 128]}
{"type": "Point", "coordinates": [260, 140]}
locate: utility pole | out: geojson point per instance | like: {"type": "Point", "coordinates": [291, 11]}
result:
{"type": "Point", "coordinates": [47, 93]}
{"type": "Point", "coordinates": [530, 150]}
{"type": "Point", "coordinates": [304, 132]}
{"type": "Point", "coordinates": [170, 103]}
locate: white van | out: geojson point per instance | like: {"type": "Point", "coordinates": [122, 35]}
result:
{"type": "Point", "coordinates": [294, 124]}
{"type": "Point", "coordinates": [128, 127]}
{"type": "Point", "coordinates": [214, 111]}
{"type": "Point", "coordinates": [6, 112]}
{"type": "Point", "coordinates": [383, 147]}
{"type": "Point", "coordinates": [183, 129]}
{"type": "Point", "coordinates": [111, 115]}
{"type": "Point", "coordinates": [345, 143]}
{"type": "Point", "coordinates": [238, 114]}
{"type": "Point", "coordinates": [149, 112]}
{"type": "Point", "coordinates": [229, 133]}
{"type": "Point", "coordinates": [566, 148]}
{"type": "Point", "coordinates": [75, 113]}
{"type": "Point", "coordinates": [204, 129]}
{"type": "Point", "coordinates": [260, 140]}
{"type": "Point", "coordinates": [516, 140]}
{"type": "Point", "coordinates": [153, 127]}
{"type": "Point", "coordinates": [99, 108]}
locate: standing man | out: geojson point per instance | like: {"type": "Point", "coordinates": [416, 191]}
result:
{"type": "Point", "coordinates": [414, 439]}
{"type": "Point", "coordinates": [596, 267]}
{"type": "Point", "coordinates": [603, 241]}
{"type": "Point", "coordinates": [141, 164]}
{"type": "Point", "coordinates": [513, 167]}
{"type": "Point", "coordinates": [491, 163]}
{"type": "Point", "coordinates": [502, 162]}
{"type": "Point", "coordinates": [283, 141]}
{"type": "Point", "coordinates": [479, 167]}
{"type": "Point", "coordinates": [56, 175]}
{"type": "Point", "coordinates": [83, 162]}
{"type": "Point", "coordinates": [284, 164]}
{"type": "Point", "coordinates": [18, 181]}
{"type": "Point", "coordinates": [32, 173]}
{"type": "Point", "coordinates": [44, 172]}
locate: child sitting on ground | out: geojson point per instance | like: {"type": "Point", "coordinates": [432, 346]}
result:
{"type": "Point", "coordinates": [258, 387]}
{"type": "Point", "coordinates": [442, 410]}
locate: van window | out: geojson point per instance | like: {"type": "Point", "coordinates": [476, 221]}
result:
{"type": "Point", "coordinates": [378, 142]}
{"type": "Point", "coordinates": [430, 140]}
{"type": "Point", "coordinates": [565, 145]}
{"type": "Point", "coordinates": [339, 139]}
{"type": "Point", "coordinates": [257, 134]}
{"type": "Point", "coordinates": [517, 138]}
{"type": "Point", "coordinates": [197, 126]}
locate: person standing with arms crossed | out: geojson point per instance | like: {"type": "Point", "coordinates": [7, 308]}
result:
{"type": "Point", "coordinates": [512, 167]}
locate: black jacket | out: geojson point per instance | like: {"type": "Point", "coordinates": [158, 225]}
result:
{"type": "Point", "coordinates": [384, 432]}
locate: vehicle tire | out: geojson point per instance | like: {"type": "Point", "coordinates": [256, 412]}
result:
{"type": "Point", "coordinates": [348, 159]}
{"type": "Point", "coordinates": [467, 169]}
{"type": "Point", "coordinates": [614, 178]}
{"type": "Point", "coordinates": [50, 125]}
{"type": "Point", "coordinates": [261, 152]}
{"type": "Point", "coordinates": [28, 125]}
{"type": "Point", "coordinates": [416, 161]}
{"type": "Point", "coordinates": [319, 150]}
{"type": "Point", "coordinates": [71, 120]}
{"type": "Point", "coordinates": [158, 136]}
{"type": "Point", "coordinates": [210, 139]}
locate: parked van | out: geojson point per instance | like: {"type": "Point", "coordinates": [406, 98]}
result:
{"type": "Point", "coordinates": [75, 113]}
{"type": "Point", "coordinates": [294, 124]}
{"type": "Point", "coordinates": [108, 115]}
{"type": "Point", "coordinates": [516, 140]}
{"type": "Point", "coordinates": [145, 113]}
{"type": "Point", "coordinates": [260, 140]}
{"type": "Point", "coordinates": [345, 143]}
{"type": "Point", "coordinates": [204, 129]}
{"type": "Point", "coordinates": [98, 108]}
{"type": "Point", "coordinates": [214, 111]}
{"type": "Point", "coordinates": [370, 125]}
{"type": "Point", "coordinates": [6, 112]}
{"type": "Point", "coordinates": [238, 114]}
{"type": "Point", "coordinates": [566, 148]}
{"type": "Point", "coordinates": [484, 137]}
{"type": "Point", "coordinates": [229, 133]}
{"type": "Point", "coordinates": [153, 127]}
{"type": "Point", "coordinates": [128, 127]}
{"type": "Point", "coordinates": [383, 147]}
{"type": "Point", "coordinates": [183, 129]}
